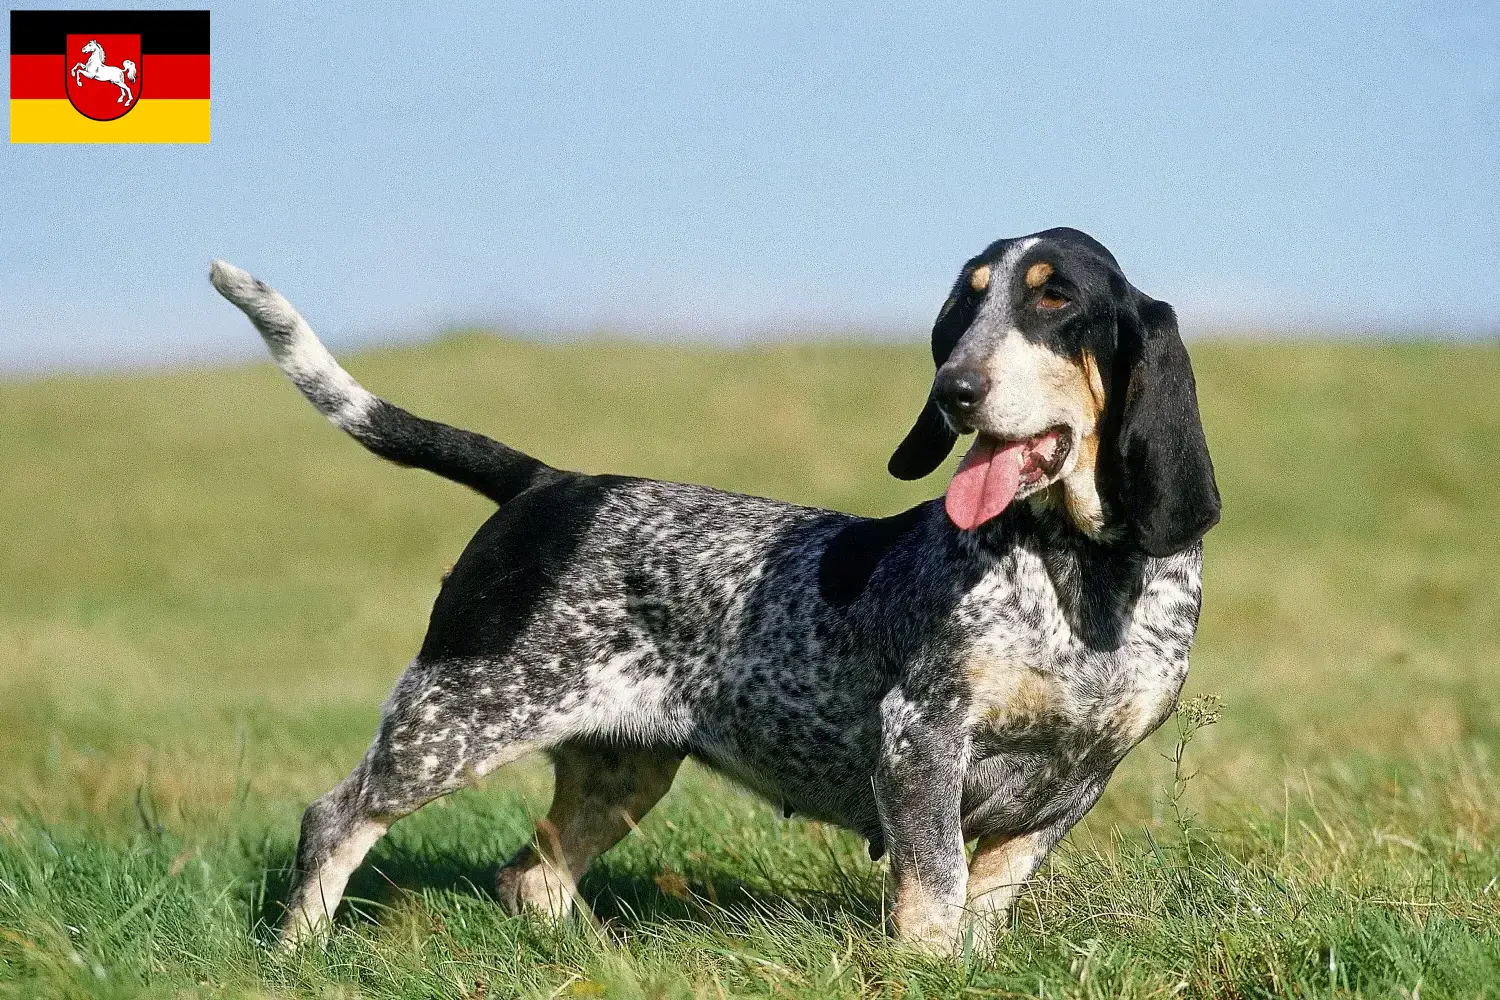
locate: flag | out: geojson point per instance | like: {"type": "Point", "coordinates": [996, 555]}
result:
{"type": "Point", "coordinates": [109, 76]}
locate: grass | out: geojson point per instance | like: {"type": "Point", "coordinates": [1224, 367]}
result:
{"type": "Point", "coordinates": [205, 593]}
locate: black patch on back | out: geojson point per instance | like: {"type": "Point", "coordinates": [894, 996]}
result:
{"type": "Point", "coordinates": [852, 555]}
{"type": "Point", "coordinates": [512, 567]}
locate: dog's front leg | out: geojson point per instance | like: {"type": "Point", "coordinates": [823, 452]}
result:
{"type": "Point", "coordinates": [918, 788]}
{"type": "Point", "coordinates": [997, 874]}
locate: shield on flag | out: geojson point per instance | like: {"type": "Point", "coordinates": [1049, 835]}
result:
{"type": "Point", "coordinates": [104, 74]}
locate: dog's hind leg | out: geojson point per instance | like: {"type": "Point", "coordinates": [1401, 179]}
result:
{"type": "Point", "coordinates": [600, 791]}
{"type": "Point", "coordinates": [337, 831]}
{"type": "Point", "coordinates": [341, 827]}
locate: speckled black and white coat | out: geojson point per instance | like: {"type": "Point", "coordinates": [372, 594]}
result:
{"type": "Point", "coordinates": [920, 685]}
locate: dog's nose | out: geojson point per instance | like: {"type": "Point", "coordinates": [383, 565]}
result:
{"type": "Point", "coordinates": [959, 390]}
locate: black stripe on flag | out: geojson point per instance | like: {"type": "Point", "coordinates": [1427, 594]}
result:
{"type": "Point", "coordinates": [163, 32]}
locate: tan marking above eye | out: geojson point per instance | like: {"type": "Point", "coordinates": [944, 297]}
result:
{"type": "Point", "coordinates": [980, 279]}
{"type": "Point", "coordinates": [1037, 274]}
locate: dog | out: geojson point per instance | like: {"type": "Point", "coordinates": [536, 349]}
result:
{"type": "Point", "coordinates": [971, 669]}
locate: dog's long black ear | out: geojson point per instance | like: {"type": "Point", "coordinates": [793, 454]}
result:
{"type": "Point", "coordinates": [925, 446]}
{"type": "Point", "coordinates": [931, 439]}
{"type": "Point", "coordinates": [1167, 489]}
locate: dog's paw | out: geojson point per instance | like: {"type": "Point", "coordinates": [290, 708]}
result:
{"type": "Point", "coordinates": [529, 885]}
{"type": "Point", "coordinates": [301, 930]}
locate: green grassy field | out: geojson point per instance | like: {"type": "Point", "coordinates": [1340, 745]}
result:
{"type": "Point", "coordinates": [205, 592]}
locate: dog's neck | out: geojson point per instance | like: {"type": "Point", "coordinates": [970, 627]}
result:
{"type": "Point", "coordinates": [1043, 520]}
{"type": "Point", "coordinates": [1096, 583]}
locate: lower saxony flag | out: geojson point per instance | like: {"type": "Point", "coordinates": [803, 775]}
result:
{"type": "Point", "coordinates": [109, 76]}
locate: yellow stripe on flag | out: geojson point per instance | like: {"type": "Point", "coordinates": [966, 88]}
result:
{"type": "Point", "coordinates": [149, 121]}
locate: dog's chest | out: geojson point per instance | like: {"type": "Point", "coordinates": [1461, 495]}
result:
{"type": "Point", "coordinates": [1059, 681]}
{"type": "Point", "coordinates": [1053, 674]}
{"type": "Point", "coordinates": [1067, 701]}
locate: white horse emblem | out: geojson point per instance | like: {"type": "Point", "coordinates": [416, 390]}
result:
{"type": "Point", "coordinates": [95, 69]}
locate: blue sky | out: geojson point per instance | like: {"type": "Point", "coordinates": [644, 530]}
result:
{"type": "Point", "coordinates": [738, 169]}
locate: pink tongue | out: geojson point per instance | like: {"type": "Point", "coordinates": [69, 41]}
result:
{"type": "Point", "coordinates": [985, 483]}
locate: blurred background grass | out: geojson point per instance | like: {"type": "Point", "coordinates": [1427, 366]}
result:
{"type": "Point", "coordinates": [206, 590]}
{"type": "Point", "coordinates": [199, 569]}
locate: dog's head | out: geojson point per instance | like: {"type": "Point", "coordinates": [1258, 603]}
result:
{"type": "Point", "coordinates": [1078, 388]}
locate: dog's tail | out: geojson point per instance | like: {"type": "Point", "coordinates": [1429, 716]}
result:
{"type": "Point", "coordinates": [493, 469]}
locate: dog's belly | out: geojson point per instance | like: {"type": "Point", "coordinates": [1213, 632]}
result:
{"type": "Point", "coordinates": [803, 736]}
{"type": "Point", "coordinates": [840, 794]}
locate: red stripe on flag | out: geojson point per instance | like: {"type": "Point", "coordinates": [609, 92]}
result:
{"type": "Point", "coordinates": [173, 77]}
{"type": "Point", "coordinates": [166, 77]}
{"type": "Point", "coordinates": [38, 78]}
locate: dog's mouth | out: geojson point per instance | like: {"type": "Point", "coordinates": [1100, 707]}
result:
{"type": "Point", "coordinates": [997, 470]}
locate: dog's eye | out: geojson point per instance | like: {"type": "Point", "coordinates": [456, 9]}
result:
{"type": "Point", "coordinates": [1051, 299]}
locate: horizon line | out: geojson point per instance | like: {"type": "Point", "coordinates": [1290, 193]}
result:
{"type": "Point", "coordinates": [216, 355]}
